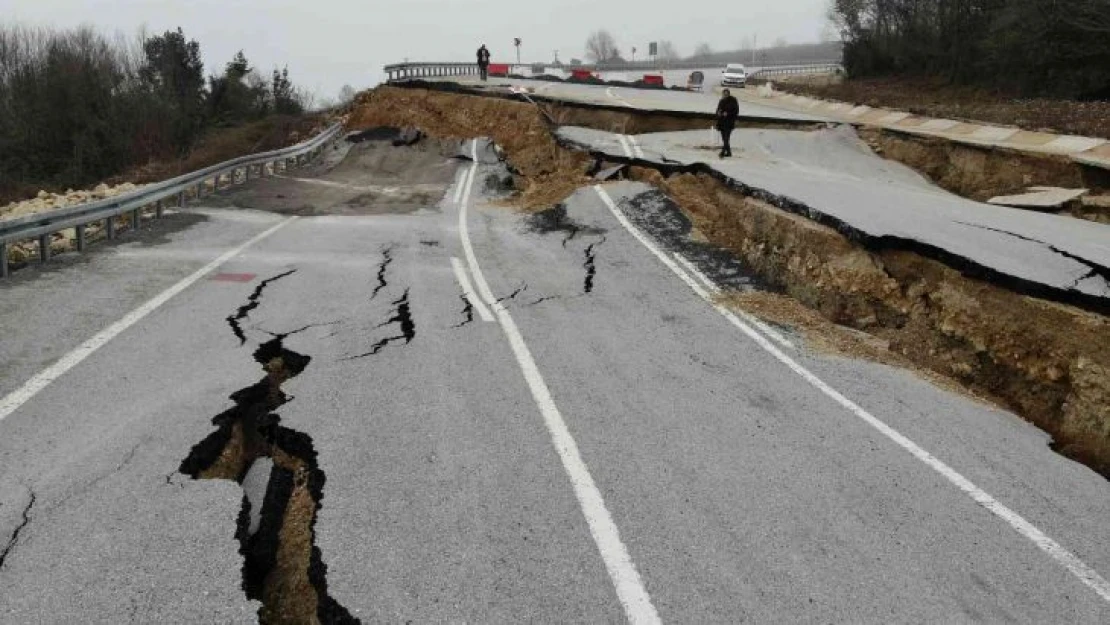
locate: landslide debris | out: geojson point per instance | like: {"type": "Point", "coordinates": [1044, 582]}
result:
{"type": "Point", "coordinates": [547, 173]}
{"type": "Point", "coordinates": [1048, 362]}
{"type": "Point", "coordinates": [982, 173]}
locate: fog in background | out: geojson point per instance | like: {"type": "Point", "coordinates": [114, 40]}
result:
{"type": "Point", "coordinates": [329, 43]}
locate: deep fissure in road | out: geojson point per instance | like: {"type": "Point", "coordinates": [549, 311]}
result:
{"type": "Point", "coordinates": [253, 302]}
{"type": "Point", "coordinates": [1048, 361]}
{"type": "Point", "coordinates": [282, 567]}
{"type": "Point", "coordinates": [591, 266]}
{"type": "Point", "coordinates": [387, 260]}
{"type": "Point", "coordinates": [402, 317]}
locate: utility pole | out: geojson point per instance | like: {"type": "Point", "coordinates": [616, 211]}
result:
{"type": "Point", "coordinates": [755, 46]}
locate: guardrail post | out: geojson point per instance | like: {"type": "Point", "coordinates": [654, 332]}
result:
{"type": "Point", "coordinates": [80, 238]}
{"type": "Point", "coordinates": [181, 199]}
{"type": "Point", "coordinates": [3, 260]}
{"type": "Point", "coordinates": [136, 218]}
{"type": "Point", "coordinates": [44, 248]}
{"type": "Point", "coordinates": [159, 209]}
{"type": "Point", "coordinates": [110, 227]}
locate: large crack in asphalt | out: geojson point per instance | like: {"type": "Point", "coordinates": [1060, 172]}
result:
{"type": "Point", "coordinates": [402, 316]}
{"type": "Point", "coordinates": [591, 266]}
{"type": "Point", "coordinates": [875, 243]}
{"type": "Point", "coordinates": [387, 260]}
{"type": "Point", "coordinates": [555, 219]}
{"type": "Point", "coordinates": [282, 566]}
{"type": "Point", "coordinates": [14, 539]}
{"type": "Point", "coordinates": [468, 311]}
{"type": "Point", "coordinates": [253, 302]}
{"type": "Point", "coordinates": [1094, 269]}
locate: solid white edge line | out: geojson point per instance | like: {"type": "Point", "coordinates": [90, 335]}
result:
{"type": "Point", "coordinates": [624, 145]}
{"type": "Point", "coordinates": [626, 580]}
{"type": "Point", "coordinates": [636, 148]}
{"type": "Point", "coordinates": [1057, 552]}
{"type": "Point", "coordinates": [460, 185]}
{"type": "Point", "coordinates": [697, 273]}
{"type": "Point", "coordinates": [31, 387]}
{"type": "Point", "coordinates": [468, 290]}
{"type": "Point", "coordinates": [775, 335]}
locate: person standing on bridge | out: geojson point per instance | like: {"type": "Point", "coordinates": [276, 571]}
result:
{"type": "Point", "coordinates": [728, 110]}
{"type": "Point", "coordinates": [483, 62]}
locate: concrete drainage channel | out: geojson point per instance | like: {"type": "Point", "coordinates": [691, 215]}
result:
{"type": "Point", "coordinates": [1047, 361]}
{"type": "Point", "coordinates": [283, 488]}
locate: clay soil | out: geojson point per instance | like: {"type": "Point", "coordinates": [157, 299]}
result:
{"type": "Point", "coordinates": [1047, 362]}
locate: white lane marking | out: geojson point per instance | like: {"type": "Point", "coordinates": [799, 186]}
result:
{"type": "Point", "coordinates": [623, 140]}
{"type": "Point", "coordinates": [31, 387]}
{"type": "Point", "coordinates": [622, 571]}
{"type": "Point", "coordinates": [459, 187]}
{"type": "Point", "coordinates": [622, 101]}
{"type": "Point", "coordinates": [468, 290]}
{"type": "Point", "coordinates": [714, 290]}
{"type": "Point", "coordinates": [1057, 552]}
{"type": "Point", "coordinates": [636, 149]}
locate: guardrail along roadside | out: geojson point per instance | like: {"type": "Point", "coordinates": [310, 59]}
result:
{"type": "Point", "coordinates": [152, 198]}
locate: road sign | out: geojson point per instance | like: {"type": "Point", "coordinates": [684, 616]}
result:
{"type": "Point", "coordinates": [653, 48]}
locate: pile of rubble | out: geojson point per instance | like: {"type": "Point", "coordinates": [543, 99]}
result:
{"type": "Point", "coordinates": [46, 201]}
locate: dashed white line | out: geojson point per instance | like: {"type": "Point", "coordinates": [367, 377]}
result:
{"type": "Point", "coordinates": [622, 571]}
{"type": "Point", "coordinates": [468, 290]}
{"type": "Point", "coordinates": [1084, 573]}
{"type": "Point", "coordinates": [32, 387]}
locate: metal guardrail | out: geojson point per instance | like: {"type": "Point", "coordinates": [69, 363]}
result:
{"type": "Point", "coordinates": [787, 70]}
{"type": "Point", "coordinates": [405, 71]}
{"type": "Point", "coordinates": [42, 225]}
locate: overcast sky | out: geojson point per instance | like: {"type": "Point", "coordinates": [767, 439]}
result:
{"type": "Point", "coordinates": [329, 43]}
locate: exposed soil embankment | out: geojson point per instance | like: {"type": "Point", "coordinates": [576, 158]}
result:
{"type": "Point", "coordinates": [1049, 362]}
{"type": "Point", "coordinates": [983, 173]}
{"type": "Point", "coordinates": [547, 172]}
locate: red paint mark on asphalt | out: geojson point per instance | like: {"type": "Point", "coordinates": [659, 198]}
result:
{"type": "Point", "coordinates": [234, 277]}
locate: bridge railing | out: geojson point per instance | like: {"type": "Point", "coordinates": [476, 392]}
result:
{"type": "Point", "coordinates": [153, 197]}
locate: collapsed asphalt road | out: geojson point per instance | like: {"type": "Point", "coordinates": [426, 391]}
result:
{"type": "Point", "coordinates": [593, 443]}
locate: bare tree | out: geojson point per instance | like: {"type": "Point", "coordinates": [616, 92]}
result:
{"type": "Point", "coordinates": [602, 47]}
{"type": "Point", "coordinates": [703, 50]}
{"type": "Point", "coordinates": [780, 42]}
{"type": "Point", "coordinates": [346, 94]}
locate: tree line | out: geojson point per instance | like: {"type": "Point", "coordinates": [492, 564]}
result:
{"type": "Point", "coordinates": [1033, 47]}
{"type": "Point", "coordinates": [77, 106]}
{"type": "Point", "coordinates": [601, 47]}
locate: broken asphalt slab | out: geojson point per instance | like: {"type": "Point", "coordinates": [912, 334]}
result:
{"type": "Point", "coordinates": [831, 177]}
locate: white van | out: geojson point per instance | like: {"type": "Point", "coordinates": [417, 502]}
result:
{"type": "Point", "coordinates": [734, 76]}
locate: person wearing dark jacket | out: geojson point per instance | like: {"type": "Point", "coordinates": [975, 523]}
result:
{"type": "Point", "coordinates": [728, 109]}
{"type": "Point", "coordinates": [483, 62]}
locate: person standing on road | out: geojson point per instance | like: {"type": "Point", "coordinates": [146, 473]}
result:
{"type": "Point", "coordinates": [728, 109]}
{"type": "Point", "coordinates": [483, 62]}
